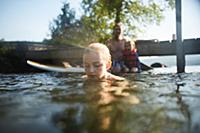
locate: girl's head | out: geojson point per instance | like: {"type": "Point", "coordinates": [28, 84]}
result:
{"type": "Point", "coordinates": [96, 60]}
{"type": "Point", "coordinates": [129, 45]}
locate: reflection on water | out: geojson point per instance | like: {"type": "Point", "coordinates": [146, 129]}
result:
{"type": "Point", "coordinates": [56, 103]}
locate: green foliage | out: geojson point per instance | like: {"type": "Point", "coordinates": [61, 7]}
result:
{"type": "Point", "coordinates": [66, 29]}
{"type": "Point", "coordinates": [64, 21]}
{"type": "Point", "coordinates": [135, 14]}
{"type": "Point", "coordinates": [101, 15]}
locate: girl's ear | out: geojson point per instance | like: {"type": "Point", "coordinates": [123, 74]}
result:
{"type": "Point", "coordinates": [108, 65]}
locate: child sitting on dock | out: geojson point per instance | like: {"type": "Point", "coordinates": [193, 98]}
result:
{"type": "Point", "coordinates": [97, 62]}
{"type": "Point", "coordinates": [130, 57]}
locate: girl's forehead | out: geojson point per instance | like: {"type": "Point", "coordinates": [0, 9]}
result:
{"type": "Point", "coordinates": [92, 57]}
{"type": "Point", "coordinates": [91, 53]}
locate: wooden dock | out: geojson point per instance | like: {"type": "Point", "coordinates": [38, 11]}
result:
{"type": "Point", "coordinates": [163, 48]}
{"type": "Point", "coordinates": [14, 54]}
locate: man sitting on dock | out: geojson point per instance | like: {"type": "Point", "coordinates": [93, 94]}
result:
{"type": "Point", "coordinates": [116, 46]}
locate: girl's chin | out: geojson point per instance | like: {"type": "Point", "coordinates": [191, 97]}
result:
{"type": "Point", "coordinates": [94, 77]}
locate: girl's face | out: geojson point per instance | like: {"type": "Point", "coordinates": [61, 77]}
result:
{"type": "Point", "coordinates": [95, 65]}
{"type": "Point", "coordinates": [128, 46]}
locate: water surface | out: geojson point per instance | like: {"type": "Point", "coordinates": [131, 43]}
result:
{"type": "Point", "coordinates": [150, 102]}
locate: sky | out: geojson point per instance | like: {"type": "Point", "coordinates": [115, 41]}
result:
{"type": "Point", "coordinates": [190, 23]}
{"type": "Point", "coordinates": [28, 20]}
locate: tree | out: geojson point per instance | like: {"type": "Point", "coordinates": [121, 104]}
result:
{"type": "Point", "coordinates": [135, 14]}
{"type": "Point", "coordinates": [66, 29]}
{"type": "Point", "coordinates": [100, 16]}
{"type": "Point", "coordinates": [63, 22]}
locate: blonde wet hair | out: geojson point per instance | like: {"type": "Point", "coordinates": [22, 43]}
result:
{"type": "Point", "coordinates": [100, 49]}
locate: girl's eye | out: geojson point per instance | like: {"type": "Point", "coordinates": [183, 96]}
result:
{"type": "Point", "coordinates": [94, 65]}
{"type": "Point", "coordinates": [98, 65]}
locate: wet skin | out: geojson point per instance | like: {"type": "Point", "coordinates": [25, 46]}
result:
{"type": "Point", "coordinates": [95, 65]}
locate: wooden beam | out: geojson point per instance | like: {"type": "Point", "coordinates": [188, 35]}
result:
{"type": "Point", "coordinates": [180, 56]}
{"type": "Point", "coordinates": [163, 48]}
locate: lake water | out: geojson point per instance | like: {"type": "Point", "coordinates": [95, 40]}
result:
{"type": "Point", "coordinates": [156, 101]}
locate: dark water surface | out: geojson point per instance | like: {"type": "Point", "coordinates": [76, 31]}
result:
{"type": "Point", "coordinates": [149, 102]}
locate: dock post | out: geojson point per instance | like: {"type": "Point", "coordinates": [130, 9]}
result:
{"type": "Point", "coordinates": [180, 55]}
